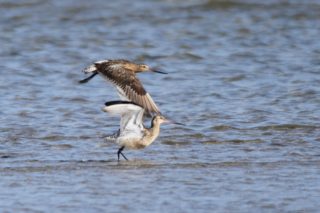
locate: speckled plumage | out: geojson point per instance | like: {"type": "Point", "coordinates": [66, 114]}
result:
{"type": "Point", "coordinates": [122, 74]}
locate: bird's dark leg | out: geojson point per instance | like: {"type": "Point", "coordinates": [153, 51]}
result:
{"type": "Point", "coordinates": [120, 152]}
{"type": "Point", "coordinates": [88, 79]}
{"type": "Point", "coordinates": [124, 156]}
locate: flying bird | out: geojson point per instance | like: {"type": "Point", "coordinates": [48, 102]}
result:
{"type": "Point", "coordinates": [122, 74]}
{"type": "Point", "coordinates": [133, 134]}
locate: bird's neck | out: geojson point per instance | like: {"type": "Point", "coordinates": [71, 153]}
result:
{"type": "Point", "coordinates": [152, 134]}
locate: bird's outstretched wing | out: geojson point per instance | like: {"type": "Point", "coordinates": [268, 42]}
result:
{"type": "Point", "coordinates": [131, 116]}
{"type": "Point", "coordinates": [130, 88]}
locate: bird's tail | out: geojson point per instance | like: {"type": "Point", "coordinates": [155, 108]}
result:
{"type": "Point", "coordinates": [90, 69]}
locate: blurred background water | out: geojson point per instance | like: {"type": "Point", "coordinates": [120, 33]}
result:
{"type": "Point", "coordinates": [243, 77]}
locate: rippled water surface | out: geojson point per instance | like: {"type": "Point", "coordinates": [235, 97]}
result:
{"type": "Point", "coordinates": [243, 77]}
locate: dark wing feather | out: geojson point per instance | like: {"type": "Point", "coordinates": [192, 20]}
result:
{"type": "Point", "coordinates": [131, 86]}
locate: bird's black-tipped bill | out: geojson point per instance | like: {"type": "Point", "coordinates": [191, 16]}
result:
{"type": "Point", "coordinates": [88, 78]}
{"type": "Point", "coordinates": [177, 123]}
{"type": "Point", "coordinates": [174, 122]}
{"type": "Point", "coordinates": [157, 71]}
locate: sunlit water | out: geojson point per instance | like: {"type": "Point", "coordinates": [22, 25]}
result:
{"type": "Point", "coordinates": [243, 77]}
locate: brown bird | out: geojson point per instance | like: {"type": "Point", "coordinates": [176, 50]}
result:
{"type": "Point", "coordinates": [122, 74]}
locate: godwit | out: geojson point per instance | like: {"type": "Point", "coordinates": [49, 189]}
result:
{"type": "Point", "coordinates": [132, 133]}
{"type": "Point", "coordinates": [122, 74]}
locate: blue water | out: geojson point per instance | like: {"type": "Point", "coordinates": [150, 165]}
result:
{"type": "Point", "coordinates": [243, 77]}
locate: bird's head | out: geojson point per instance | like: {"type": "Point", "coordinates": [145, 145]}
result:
{"type": "Point", "coordinates": [160, 119]}
{"type": "Point", "coordinates": [146, 68]}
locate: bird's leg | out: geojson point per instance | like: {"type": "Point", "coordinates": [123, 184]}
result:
{"type": "Point", "coordinates": [120, 152]}
{"type": "Point", "coordinates": [124, 156]}
{"type": "Point", "coordinates": [88, 79]}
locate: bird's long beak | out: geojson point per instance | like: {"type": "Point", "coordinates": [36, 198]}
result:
{"type": "Point", "coordinates": [157, 71]}
{"type": "Point", "coordinates": [177, 123]}
{"type": "Point", "coordinates": [173, 122]}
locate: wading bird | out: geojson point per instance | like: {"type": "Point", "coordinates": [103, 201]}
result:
{"type": "Point", "coordinates": [122, 74]}
{"type": "Point", "coordinates": [133, 134]}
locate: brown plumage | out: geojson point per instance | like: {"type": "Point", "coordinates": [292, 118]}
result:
{"type": "Point", "coordinates": [122, 74]}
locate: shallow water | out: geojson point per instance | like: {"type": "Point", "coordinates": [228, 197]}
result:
{"type": "Point", "coordinates": [243, 77]}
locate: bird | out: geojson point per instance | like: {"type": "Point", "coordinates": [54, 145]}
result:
{"type": "Point", "coordinates": [132, 133]}
{"type": "Point", "coordinates": [122, 74]}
